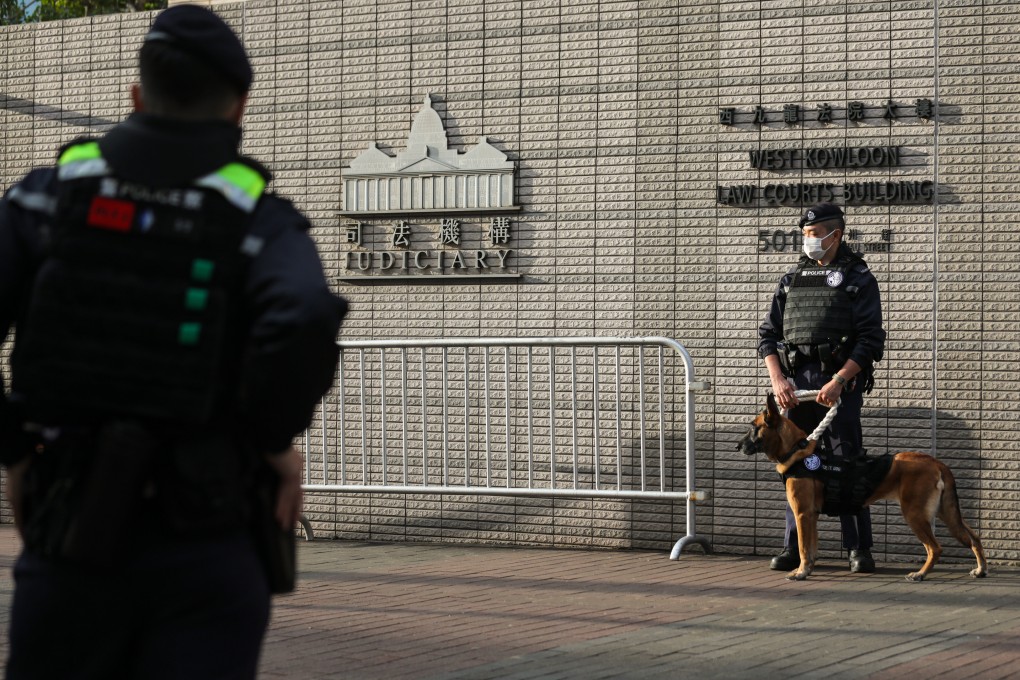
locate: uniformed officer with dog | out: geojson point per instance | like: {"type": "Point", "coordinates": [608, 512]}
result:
{"type": "Point", "coordinates": [824, 332]}
{"type": "Point", "coordinates": [174, 332]}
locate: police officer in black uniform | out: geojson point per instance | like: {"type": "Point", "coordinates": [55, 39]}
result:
{"type": "Point", "coordinates": [174, 332]}
{"type": "Point", "coordinates": [824, 332]}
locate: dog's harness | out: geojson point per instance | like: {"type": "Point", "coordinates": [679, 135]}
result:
{"type": "Point", "coordinates": [799, 446]}
{"type": "Point", "coordinates": [847, 482]}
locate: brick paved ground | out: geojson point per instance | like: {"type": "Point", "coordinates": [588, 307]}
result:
{"type": "Point", "coordinates": [460, 612]}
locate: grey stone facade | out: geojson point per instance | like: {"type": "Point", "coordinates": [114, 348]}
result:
{"type": "Point", "coordinates": [613, 113]}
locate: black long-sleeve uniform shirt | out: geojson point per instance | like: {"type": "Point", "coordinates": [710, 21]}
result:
{"type": "Point", "coordinates": [291, 317]}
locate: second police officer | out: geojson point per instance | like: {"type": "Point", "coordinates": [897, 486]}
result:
{"type": "Point", "coordinates": [824, 332]}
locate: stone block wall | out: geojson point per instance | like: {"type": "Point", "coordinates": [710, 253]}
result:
{"type": "Point", "coordinates": [612, 112]}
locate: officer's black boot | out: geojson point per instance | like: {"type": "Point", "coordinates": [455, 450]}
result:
{"type": "Point", "coordinates": [861, 562]}
{"type": "Point", "coordinates": [857, 531]}
{"type": "Point", "coordinates": [788, 560]}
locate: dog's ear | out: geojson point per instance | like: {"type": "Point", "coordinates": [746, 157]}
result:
{"type": "Point", "coordinates": [772, 415]}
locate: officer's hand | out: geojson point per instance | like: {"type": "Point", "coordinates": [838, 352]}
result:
{"type": "Point", "coordinates": [829, 394]}
{"type": "Point", "coordinates": [288, 465]}
{"type": "Point", "coordinates": [785, 397]}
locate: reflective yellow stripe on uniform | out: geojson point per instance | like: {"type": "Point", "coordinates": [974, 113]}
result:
{"type": "Point", "coordinates": [82, 160]}
{"type": "Point", "coordinates": [80, 152]}
{"type": "Point", "coordinates": [238, 183]}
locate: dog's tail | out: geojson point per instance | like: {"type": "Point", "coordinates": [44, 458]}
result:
{"type": "Point", "coordinates": [949, 513]}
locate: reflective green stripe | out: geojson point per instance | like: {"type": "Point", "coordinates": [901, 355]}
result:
{"type": "Point", "coordinates": [238, 183]}
{"type": "Point", "coordinates": [82, 160]}
{"type": "Point", "coordinates": [244, 178]}
{"type": "Point", "coordinates": [80, 152]}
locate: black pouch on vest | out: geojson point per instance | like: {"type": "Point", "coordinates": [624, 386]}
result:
{"type": "Point", "coordinates": [110, 494]}
{"type": "Point", "coordinates": [275, 546]}
{"type": "Point", "coordinates": [786, 359]}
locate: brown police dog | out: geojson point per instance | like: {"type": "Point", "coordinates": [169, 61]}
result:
{"type": "Point", "coordinates": [923, 486]}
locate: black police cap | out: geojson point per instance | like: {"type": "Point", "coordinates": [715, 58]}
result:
{"type": "Point", "coordinates": [822, 212]}
{"type": "Point", "coordinates": [204, 35]}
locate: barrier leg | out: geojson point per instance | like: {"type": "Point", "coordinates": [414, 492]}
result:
{"type": "Point", "coordinates": [686, 541]}
{"type": "Point", "coordinates": [307, 526]}
{"type": "Point", "coordinates": [692, 536]}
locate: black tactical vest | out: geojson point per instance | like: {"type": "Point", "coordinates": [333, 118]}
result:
{"type": "Point", "coordinates": [819, 309]}
{"type": "Point", "coordinates": [134, 302]}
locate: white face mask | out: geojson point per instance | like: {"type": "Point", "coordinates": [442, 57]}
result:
{"type": "Point", "coordinates": [813, 247]}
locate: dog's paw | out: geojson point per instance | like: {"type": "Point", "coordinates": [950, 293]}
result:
{"type": "Point", "coordinates": [797, 575]}
{"type": "Point", "coordinates": [915, 576]}
{"type": "Point", "coordinates": [978, 573]}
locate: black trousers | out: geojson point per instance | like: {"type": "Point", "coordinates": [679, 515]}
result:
{"type": "Point", "coordinates": [844, 438]}
{"type": "Point", "coordinates": [174, 609]}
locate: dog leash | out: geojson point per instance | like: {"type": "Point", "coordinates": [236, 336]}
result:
{"type": "Point", "coordinates": [827, 420]}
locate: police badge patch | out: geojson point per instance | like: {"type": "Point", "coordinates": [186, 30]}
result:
{"type": "Point", "coordinates": [813, 462]}
{"type": "Point", "coordinates": [834, 279]}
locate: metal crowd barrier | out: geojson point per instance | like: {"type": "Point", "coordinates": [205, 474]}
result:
{"type": "Point", "coordinates": [552, 417]}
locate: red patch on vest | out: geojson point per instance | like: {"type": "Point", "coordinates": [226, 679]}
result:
{"type": "Point", "coordinates": [109, 213]}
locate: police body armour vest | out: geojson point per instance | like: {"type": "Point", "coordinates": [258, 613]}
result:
{"type": "Point", "coordinates": [819, 308]}
{"type": "Point", "coordinates": [132, 306]}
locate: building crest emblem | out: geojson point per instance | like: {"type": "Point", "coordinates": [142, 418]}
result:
{"type": "Point", "coordinates": [428, 176]}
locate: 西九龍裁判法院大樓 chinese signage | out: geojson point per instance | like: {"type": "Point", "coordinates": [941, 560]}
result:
{"type": "Point", "coordinates": [825, 113]}
{"type": "Point", "coordinates": [429, 192]}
